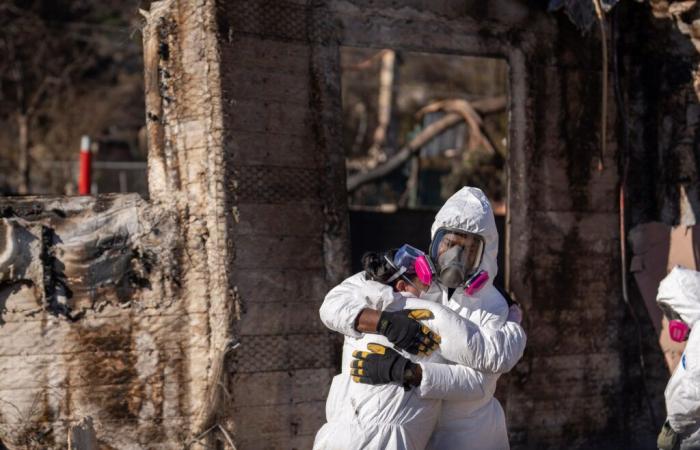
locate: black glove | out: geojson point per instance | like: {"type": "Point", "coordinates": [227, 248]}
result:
{"type": "Point", "coordinates": [668, 438]}
{"type": "Point", "coordinates": [405, 332]}
{"type": "Point", "coordinates": [382, 365]}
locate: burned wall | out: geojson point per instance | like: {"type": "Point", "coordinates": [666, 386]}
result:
{"type": "Point", "coordinates": [660, 61]}
{"type": "Point", "coordinates": [118, 308]}
{"type": "Point", "coordinates": [280, 76]}
{"type": "Point", "coordinates": [90, 322]}
{"type": "Point", "coordinates": [287, 177]}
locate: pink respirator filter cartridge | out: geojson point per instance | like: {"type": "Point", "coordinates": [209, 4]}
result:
{"type": "Point", "coordinates": [423, 271]}
{"type": "Point", "coordinates": [678, 330]}
{"type": "Point", "coordinates": [477, 282]}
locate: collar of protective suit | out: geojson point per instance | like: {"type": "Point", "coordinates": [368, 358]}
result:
{"type": "Point", "coordinates": [469, 210]}
{"type": "Point", "coordinates": [681, 291]}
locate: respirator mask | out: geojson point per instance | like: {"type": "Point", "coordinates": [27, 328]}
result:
{"type": "Point", "coordinates": [677, 328]}
{"type": "Point", "coordinates": [455, 257]}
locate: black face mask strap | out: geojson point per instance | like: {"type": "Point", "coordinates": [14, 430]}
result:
{"type": "Point", "coordinates": [669, 312]}
{"type": "Point", "coordinates": [398, 272]}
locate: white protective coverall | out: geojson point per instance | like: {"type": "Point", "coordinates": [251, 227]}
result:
{"type": "Point", "coordinates": [362, 416]}
{"type": "Point", "coordinates": [681, 291]}
{"type": "Point", "coordinates": [470, 416]}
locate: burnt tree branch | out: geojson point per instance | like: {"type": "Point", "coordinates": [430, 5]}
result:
{"type": "Point", "coordinates": [457, 111]}
{"type": "Point", "coordinates": [396, 161]}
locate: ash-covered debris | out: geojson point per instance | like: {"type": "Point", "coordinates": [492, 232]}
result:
{"type": "Point", "coordinates": [85, 257]}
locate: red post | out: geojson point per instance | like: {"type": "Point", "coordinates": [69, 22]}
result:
{"type": "Point", "coordinates": [84, 176]}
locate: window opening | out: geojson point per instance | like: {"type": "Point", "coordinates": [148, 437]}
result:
{"type": "Point", "coordinates": [416, 128]}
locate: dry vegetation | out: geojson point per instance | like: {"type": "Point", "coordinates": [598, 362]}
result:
{"type": "Point", "coordinates": [417, 126]}
{"type": "Point", "coordinates": [69, 68]}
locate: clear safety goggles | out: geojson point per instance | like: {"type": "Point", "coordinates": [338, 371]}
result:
{"type": "Point", "coordinates": [472, 248]}
{"type": "Point", "coordinates": [416, 262]}
{"type": "Point", "coordinates": [405, 262]}
{"type": "Point", "coordinates": [406, 256]}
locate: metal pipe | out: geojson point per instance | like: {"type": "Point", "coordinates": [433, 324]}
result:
{"type": "Point", "coordinates": [85, 160]}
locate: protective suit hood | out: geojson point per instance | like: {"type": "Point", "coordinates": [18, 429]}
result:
{"type": "Point", "coordinates": [469, 210]}
{"type": "Point", "coordinates": [681, 291]}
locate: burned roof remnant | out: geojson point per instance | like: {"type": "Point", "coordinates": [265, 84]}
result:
{"type": "Point", "coordinates": [581, 12]}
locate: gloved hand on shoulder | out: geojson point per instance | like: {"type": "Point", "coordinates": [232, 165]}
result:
{"type": "Point", "coordinates": [382, 365]}
{"type": "Point", "coordinates": [405, 332]}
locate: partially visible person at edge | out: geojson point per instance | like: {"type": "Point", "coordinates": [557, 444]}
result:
{"type": "Point", "coordinates": [679, 299]}
{"type": "Point", "coordinates": [463, 252]}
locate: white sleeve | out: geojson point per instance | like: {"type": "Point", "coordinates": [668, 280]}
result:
{"type": "Point", "coordinates": [685, 413]}
{"type": "Point", "coordinates": [453, 382]}
{"type": "Point", "coordinates": [484, 349]}
{"type": "Point", "coordinates": [342, 305]}
{"type": "Point", "coordinates": [481, 348]}
{"type": "Point", "coordinates": [344, 302]}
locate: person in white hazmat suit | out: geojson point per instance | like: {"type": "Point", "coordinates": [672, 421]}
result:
{"type": "Point", "coordinates": [679, 298]}
{"type": "Point", "coordinates": [476, 335]}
